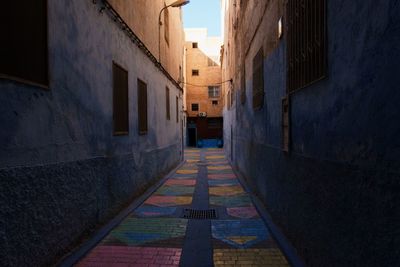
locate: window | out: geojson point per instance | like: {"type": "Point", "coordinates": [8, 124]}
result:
{"type": "Point", "coordinates": [167, 105]}
{"type": "Point", "coordinates": [195, 107]}
{"type": "Point", "coordinates": [120, 101]}
{"type": "Point", "coordinates": [23, 53]}
{"type": "Point", "coordinates": [166, 25]}
{"type": "Point", "coordinates": [214, 103]}
{"type": "Point", "coordinates": [306, 43]}
{"type": "Point", "coordinates": [194, 45]}
{"type": "Point", "coordinates": [213, 91]}
{"type": "Point", "coordinates": [195, 72]}
{"type": "Point", "coordinates": [177, 109]}
{"type": "Point", "coordinates": [142, 107]}
{"type": "Point", "coordinates": [258, 80]}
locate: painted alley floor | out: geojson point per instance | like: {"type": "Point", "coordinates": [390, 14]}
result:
{"type": "Point", "coordinates": [200, 216]}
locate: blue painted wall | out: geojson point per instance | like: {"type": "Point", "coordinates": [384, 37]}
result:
{"type": "Point", "coordinates": [336, 195]}
{"type": "Point", "coordinates": [62, 172]}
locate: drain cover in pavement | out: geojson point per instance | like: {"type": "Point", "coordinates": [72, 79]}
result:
{"type": "Point", "coordinates": [199, 214]}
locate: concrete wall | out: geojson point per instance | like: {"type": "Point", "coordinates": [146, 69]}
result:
{"type": "Point", "coordinates": [62, 172]}
{"type": "Point", "coordinates": [335, 195]}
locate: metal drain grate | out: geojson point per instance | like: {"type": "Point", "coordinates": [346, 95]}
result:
{"type": "Point", "coordinates": [199, 214]}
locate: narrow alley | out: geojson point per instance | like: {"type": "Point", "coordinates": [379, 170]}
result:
{"type": "Point", "coordinates": [200, 215]}
{"type": "Point", "coordinates": [200, 133]}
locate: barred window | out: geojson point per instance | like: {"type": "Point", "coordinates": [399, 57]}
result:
{"type": "Point", "coordinates": [213, 91]}
{"type": "Point", "coordinates": [194, 45]}
{"type": "Point", "coordinates": [195, 72]}
{"type": "Point", "coordinates": [306, 42]}
{"type": "Point", "coordinates": [258, 80]}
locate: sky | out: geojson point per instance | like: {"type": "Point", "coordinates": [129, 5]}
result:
{"type": "Point", "coordinates": [203, 14]}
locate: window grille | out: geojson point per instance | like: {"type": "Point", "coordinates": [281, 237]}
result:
{"type": "Point", "coordinates": [306, 42]}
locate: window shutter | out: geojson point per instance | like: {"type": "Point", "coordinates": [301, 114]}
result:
{"type": "Point", "coordinates": [120, 100]}
{"type": "Point", "coordinates": [142, 107]}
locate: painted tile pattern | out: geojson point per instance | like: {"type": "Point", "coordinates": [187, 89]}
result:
{"type": "Point", "coordinates": [242, 239]}
{"type": "Point", "coordinates": [153, 234]}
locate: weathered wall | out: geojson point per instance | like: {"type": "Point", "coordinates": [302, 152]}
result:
{"type": "Point", "coordinates": [142, 15]}
{"type": "Point", "coordinates": [62, 172]}
{"type": "Point", "coordinates": [335, 196]}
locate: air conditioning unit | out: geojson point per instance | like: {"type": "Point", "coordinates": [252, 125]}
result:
{"type": "Point", "coordinates": [202, 114]}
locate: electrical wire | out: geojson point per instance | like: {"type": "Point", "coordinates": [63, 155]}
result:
{"type": "Point", "coordinates": [196, 85]}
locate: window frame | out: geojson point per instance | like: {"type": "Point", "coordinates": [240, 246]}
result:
{"type": "Point", "coordinates": [116, 102]}
{"type": "Point", "coordinates": [213, 88]}
{"type": "Point", "coordinates": [198, 106]}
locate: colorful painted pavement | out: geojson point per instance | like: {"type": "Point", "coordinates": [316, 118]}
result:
{"type": "Point", "coordinates": [154, 233]}
{"type": "Point", "coordinates": [241, 239]}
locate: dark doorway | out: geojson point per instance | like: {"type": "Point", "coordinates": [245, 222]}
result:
{"type": "Point", "coordinates": [192, 139]}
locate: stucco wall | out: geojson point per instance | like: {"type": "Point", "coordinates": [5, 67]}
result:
{"type": "Point", "coordinates": [62, 172]}
{"type": "Point", "coordinates": [142, 15]}
{"type": "Point", "coordinates": [335, 196]}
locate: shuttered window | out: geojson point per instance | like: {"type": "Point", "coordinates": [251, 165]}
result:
{"type": "Point", "coordinates": [258, 80]}
{"type": "Point", "coordinates": [167, 105]}
{"type": "Point", "coordinates": [120, 101]}
{"type": "Point", "coordinates": [306, 39]}
{"type": "Point", "coordinates": [142, 107]}
{"type": "Point", "coordinates": [23, 38]}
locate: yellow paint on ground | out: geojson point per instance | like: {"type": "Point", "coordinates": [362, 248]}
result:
{"type": "Point", "coordinates": [271, 257]}
{"type": "Point", "coordinates": [241, 239]}
{"type": "Point", "coordinates": [226, 190]}
{"type": "Point", "coordinates": [186, 171]}
{"type": "Point", "coordinates": [219, 167]}
{"type": "Point", "coordinates": [215, 157]}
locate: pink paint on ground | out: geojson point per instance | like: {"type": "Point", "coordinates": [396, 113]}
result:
{"type": "Point", "coordinates": [131, 256]}
{"type": "Point", "coordinates": [243, 212]}
{"type": "Point", "coordinates": [180, 182]}
{"type": "Point", "coordinates": [221, 176]}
